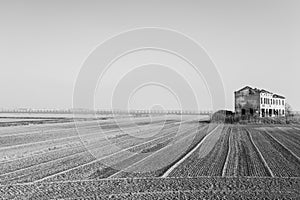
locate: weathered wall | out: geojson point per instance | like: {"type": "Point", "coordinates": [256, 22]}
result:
{"type": "Point", "coordinates": [249, 100]}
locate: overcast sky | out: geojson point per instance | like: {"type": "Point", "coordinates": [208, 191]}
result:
{"type": "Point", "coordinates": [44, 43]}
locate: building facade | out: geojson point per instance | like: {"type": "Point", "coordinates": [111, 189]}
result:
{"type": "Point", "coordinates": [258, 103]}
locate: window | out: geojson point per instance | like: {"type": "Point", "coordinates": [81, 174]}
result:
{"type": "Point", "coordinates": [261, 100]}
{"type": "Point", "coordinates": [282, 102]}
{"type": "Point", "coordinates": [243, 112]}
{"type": "Point", "coordinates": [283, 112]}
{"type": "Point", "coordinates": [251, 111]}
{"type": "Point", "coordinates": [263, 112]}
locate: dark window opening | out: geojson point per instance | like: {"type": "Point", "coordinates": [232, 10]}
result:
{"type": "Point", "coordinates": [263, 112]}
{"type": "Point", "coordinates": [251, 111]}
{"type": "Point", "coordinates": [243, 112]}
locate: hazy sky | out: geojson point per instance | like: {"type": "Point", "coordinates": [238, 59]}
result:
{"type": "Point", "coordinates": [44, 43]}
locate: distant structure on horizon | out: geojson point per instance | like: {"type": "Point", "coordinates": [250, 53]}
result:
{"type": "Point", "coordinates": [259, 103]}
{"type": "Point", "coordinates": [107, 111]}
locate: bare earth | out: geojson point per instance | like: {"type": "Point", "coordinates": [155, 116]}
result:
{"type": "Point", "coordinates": [158, 158]}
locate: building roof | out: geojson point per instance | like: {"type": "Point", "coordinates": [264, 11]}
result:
{"type": "Point", "coordinates": [265, 91]}
{"type": "Point", "coordinates": [278, 96]}
{"type": "Point", "coordinates": [246, 87]}
{"type": "Point", "coordinates": [261, 91]}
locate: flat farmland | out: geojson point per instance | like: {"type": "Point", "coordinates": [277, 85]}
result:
{"type": "Point", "coordinates": [141, 157]}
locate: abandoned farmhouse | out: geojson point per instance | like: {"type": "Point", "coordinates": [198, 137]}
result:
{"type": "Point", "coordinates": [258, 103]}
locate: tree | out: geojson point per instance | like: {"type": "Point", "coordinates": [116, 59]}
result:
{"type": "Point", "coordinates": [288, 112]}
